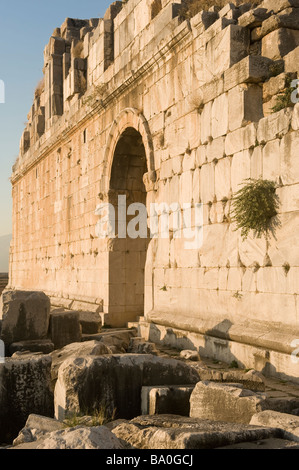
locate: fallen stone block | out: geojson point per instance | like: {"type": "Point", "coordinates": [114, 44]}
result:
{"type": "Point", "coordinates": [288, 423]}
{"type": "Point", "coordinates": [36, 427]}
{"type": "Point", "coordinates": [25, 315]}
{"type": "Point", "coordinates": [225, 402]}
{"type": "Point", "coordinates": [117, 341]}
{"type": "Point", "coordinates": [251, 380]}
{"type": "Point", "coordinates": [92, 348]}
{"type": "Point", "coordinates": [189, 355]}
{"type": "Point", "coordinates": [64, 328]}
{"type": "Point", "coordinates": [177, 432]}
{"type": "Point", "coordinates": [286, 404]}
{"type": "Point", "coordinates": [44, 346]}
{"type": "Point", "coordinates": [79, 437]}
{"type": "Point", "coordinates": [25, 389]}
{"type": "Point", "coordinates": [140, 346]}
{"type": "Point", "coordinates": [90, 322]}
{"type": "Point", "coordinates": [174, 399]}
{"type": "Point", "coordinates": [115, 382]}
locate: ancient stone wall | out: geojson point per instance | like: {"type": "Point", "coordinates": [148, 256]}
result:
{"type": "Point", "coordinates": [180, 110]}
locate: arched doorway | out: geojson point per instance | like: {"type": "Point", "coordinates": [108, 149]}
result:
{"type": "Point", "coordinates": [127, 253]}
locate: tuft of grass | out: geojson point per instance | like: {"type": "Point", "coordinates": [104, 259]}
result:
{"type": "Point", "coordinates": [99, 417]}
{"type": "Point", "coordinates": [255, 208]}
{"type": "Point", "coordinates": [39, 88]}
{"type": "Point", "coordinates": [234, 365]}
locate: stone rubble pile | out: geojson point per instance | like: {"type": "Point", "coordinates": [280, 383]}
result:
{"type": "Point", "coordinates": [51, 399]}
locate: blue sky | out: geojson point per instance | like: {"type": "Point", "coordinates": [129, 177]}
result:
{"type": "Point", "coordinates": [25, 29]}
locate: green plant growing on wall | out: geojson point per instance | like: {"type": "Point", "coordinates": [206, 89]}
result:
{"type": "Point", "coordinates": [237, 295]}
{"type": "Point", "coordinates": [255, 208]}
{"type": "Point", "coordinates": [283, 99]}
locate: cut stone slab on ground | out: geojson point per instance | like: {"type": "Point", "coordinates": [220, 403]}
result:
{"type": "Point", "coordinates": [177, 432]}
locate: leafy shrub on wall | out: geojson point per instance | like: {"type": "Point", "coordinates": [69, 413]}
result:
{"type": "Point", "coordinates": [255, 208]}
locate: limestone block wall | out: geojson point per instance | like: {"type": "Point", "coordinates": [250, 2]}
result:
{"type": "Point", "coordinates": [199, 93]}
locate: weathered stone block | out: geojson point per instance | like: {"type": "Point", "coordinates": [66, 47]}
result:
{"type": "Point", "coordinates": [64, 328]}
{"type": "Point", "coordinates": [177, 432]}
{"type": "Point", "coordinates": [226, 49]}
{"type": "Point", "coordinates": [285, 19]}
{"type": "Point", "coordinates": [274, 126]}
{"type": "Point", "coordinates": [207, 183]}
{"type": "Point", "coordinates": [256, 163]}
{"type": "Point", "coordinates": [25, 315]}
{"type": "Point", "coordinates": [44, 346]}
{"type": "Point", "coordinates": [280, 42]}
{"type": "Point", "coordinates": [115, 380]}
{"type": "Point", "coordinates": [139, 346]}
{"type": "Point", "coordinates": [273, 86]}
{"type": "Point", "coordinates": [251, 380]}
{"type": "Point", "coordinates": [251, 69]}
{"type": "Point", "coordinates": [166, 400]}
{"type": "Point", "coordinates": [225, 402]}
{"type": "Point", "coordinates": [205, 126]}
{"type": "Point", "coordinates": [36, 427]}
{"type": "Point", "coordinates": [190, 355]}
{"type": "Point", "coordinates": [25, 389]}
{"type": "Point", "coordinates": [271, 160]}
{"type": "Point", "coordinates": [90, 348]}
{"type": "Point", "coordinates": [291, 61]}
{"type": "Point", "coordinates": [90, 322]}
{"type": "Point", "coordinates": [288, 423]}
{"type": "Point", "coordinates": [220, 116]}
{"type": "Point", "coordinates": [78, 437]}
{"type": "Point", "coordinates": [240, 139]}
{"type": "Point", "coordinates": [276, 6]}
{"type": "Point", "coordinates": [223, 179]}
{"type": "Point", "coordinates": [253, 18]}
{"type": "Point", "coordinates": [56, 46]}
{"type": "Point", "coordinates": [289, 168]}
{"type": "Point", "coordinates": [245, 105]}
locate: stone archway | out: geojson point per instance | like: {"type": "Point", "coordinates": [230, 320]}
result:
{"type": "Point", "coordinates": [129, 175]}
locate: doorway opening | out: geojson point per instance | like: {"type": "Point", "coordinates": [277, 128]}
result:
{"type": "Point", "coordinates": [128, 254]}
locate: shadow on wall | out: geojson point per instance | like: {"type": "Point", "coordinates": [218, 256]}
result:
{"type": "Point", "coordinates": [215, 344]}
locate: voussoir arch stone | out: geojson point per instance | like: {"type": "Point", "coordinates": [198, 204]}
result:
{"type": "Point", "coordinates": [129, 117]}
